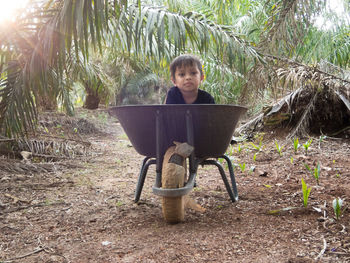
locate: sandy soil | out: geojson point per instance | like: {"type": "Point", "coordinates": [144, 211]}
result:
{"type": "Point", "coordinates": [82, 209]}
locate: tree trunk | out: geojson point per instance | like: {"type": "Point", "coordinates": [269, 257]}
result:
{"type": "Point", "coordinates": [92, 99]}
{"type": "Point", "coordinates": [46, 102]}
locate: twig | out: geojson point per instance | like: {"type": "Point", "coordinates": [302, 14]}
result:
{"type": "Point", "coordinates": [50, 156]}
{"type": "Point", "coordinates": [39, 249]}
{"type": "Point", "coordinates": [340, 253]}
{"type": "Point", "coordinates": [343, 229]}
{"type": "Point", "coordinates": [111, 197]}
{"type": "Point", "coordinates": [288, 61]}
{"type": "Point", "coordinates": [7, 140]}
{"type": "Point", "coordinates": [16, 199]}
{"type": "Point", "coordinates": [15, 209]}
{"type": "Point", "coordinates": [323, 250]}
{"type": "Point", "coordinates": [67, 139]}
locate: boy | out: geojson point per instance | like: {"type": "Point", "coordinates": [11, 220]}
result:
{"type": "Point", "coordinates": [186, 75]}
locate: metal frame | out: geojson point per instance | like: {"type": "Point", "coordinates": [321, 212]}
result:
{"type": "Point", "coordinates": [193, 166]}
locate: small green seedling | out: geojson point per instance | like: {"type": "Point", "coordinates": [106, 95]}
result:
{"type": "Point", "coordinates": [322, 137]}
{"type": "Point", "coordinates": [254, 157]}
{"type": "Point", "coordinates": [279, 148]}
{"type": "Point", "coordinates": [258, 147]}
{"type": "Point", "coordinates": [291, 160]}
{"type": "Point", "coordinates": [337, 207]}
{"type": "Point", "coordinates": [239, 149]}
{"type": "Point", "coordinates": [296, 145]}
{"type": "Point", "coordinates": [307, 145]}
{"type": "Point", "coordinates": [230, 150]}
{"type": "Point", "coordinates": [306, 192]}
{"type": "Point", "coordinates": [315, 172]}
{"type": "Point", "coordinates": [119, 203]}
{"type": "Point", "coordinates": [242, 166]}
{"type": "Point", "coordinates": [307, 167]}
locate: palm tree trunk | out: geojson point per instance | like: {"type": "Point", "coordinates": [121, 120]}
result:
{"type": "Point", "coordinates": [92, 98]}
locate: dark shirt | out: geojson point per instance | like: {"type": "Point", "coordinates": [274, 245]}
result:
{"type": "Point", "coordinates": [174, 96]}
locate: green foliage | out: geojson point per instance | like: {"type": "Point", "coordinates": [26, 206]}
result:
{"type": "Point", "coordinates": [258, 147]}
{"type": "Point", "coordinates": [254, 156]}
{"type": "Point", "coordinates": [321, 139]}
{"type": "Point", "coordinates": [306, 192]}
{"type": "Point", "coordinates": [119, 203]}
{"type": "Point", "coordinates": [337, 207]}
{"type": "Point", "coordinates": [316, 171]}
{"type": "Point", "coordinates": [296, 145]}
{"type": "Point", "coordinates": [239, 148]}
{"type": "Point", "coordinates": [53, 45]}
{"type": "Point", "coordinates": [242, 166]}
{"type": "Point", "coordinates": [279, 148]}
{"type": "Point", "coordinates": [307, 145]}
{"type": "Point", "coordinates": [137, 88]}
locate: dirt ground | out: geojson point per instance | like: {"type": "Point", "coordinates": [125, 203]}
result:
{"type": "Point", "coordinates": [81, 209]}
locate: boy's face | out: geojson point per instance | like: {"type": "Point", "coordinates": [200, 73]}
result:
{"type": "Point", "coordinates": [187, 79]}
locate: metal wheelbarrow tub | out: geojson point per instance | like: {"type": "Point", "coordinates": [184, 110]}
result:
{"type": "Point", "coordinates": [213, 126]}
{"type": "Point", "coordinates": [153, 128]}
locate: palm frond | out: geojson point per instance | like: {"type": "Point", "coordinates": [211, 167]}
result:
{"type": "Point", "coordinates": [175, 32]}
{"type": "Point", "coordinates": [141, 80]}
{"type": "Point", "coordinates": [17, 107]}
{"type": "Point", "coordinates": [39, 41]}
{"type": "Point", "coordinates": [288, 23]}
{"type": "Point", "coordinates": [340, 49]}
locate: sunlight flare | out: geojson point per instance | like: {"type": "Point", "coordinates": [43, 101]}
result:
{"type": "Point", "coordinates": [9, 9]}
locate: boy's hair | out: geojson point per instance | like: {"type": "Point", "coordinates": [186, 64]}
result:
{"type": "Point", "coordinates": [184, 61]}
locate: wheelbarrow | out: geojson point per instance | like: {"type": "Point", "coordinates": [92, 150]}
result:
{"type": "Point", "coordinates": [152, 129]}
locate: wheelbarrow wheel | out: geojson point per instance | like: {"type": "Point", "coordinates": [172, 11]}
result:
{"type": "Point", "coordinates": [173, 209]}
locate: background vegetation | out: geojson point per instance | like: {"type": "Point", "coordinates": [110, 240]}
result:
{"type": "Point", "coordinates": [59, 54]}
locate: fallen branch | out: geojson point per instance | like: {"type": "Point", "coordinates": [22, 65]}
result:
{"type": "Point", "coordinates": [311, 69]}
{"type": "Point", "coordinates": [67, 139]}
{"type": "Point", "coordinates": [323, 250]}
{"type": "Point", "coordinates": [340, 253]}
{"type": "Point", "coordinates": [50, 156]}
{"type": "Point", "coordinates": [7, 140]}
{"type": "Point", "coordinates": [15, 209]}
{"type": "Point", "coordinates": [39, 249]}
{"type": "Point", "coordinates": [16, 199]}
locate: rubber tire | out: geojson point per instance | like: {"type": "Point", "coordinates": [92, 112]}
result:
{"type": "Point", "coordinates": [173, 209]}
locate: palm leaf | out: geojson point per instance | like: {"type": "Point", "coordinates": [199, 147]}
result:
{"type": "Point", "coordinates": [39, 43]}
{"type": "Point", "coordinates": [17, 110]}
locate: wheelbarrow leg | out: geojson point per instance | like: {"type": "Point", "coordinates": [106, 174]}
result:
{"type": "Point", "coordinates": [232, 176]}
{"type": "Point", "coordinates": [233, 196]}
{"type": "Point", "coordinates": [159, 149]}
{"type": "Point", "coordinates": [144, 168]}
